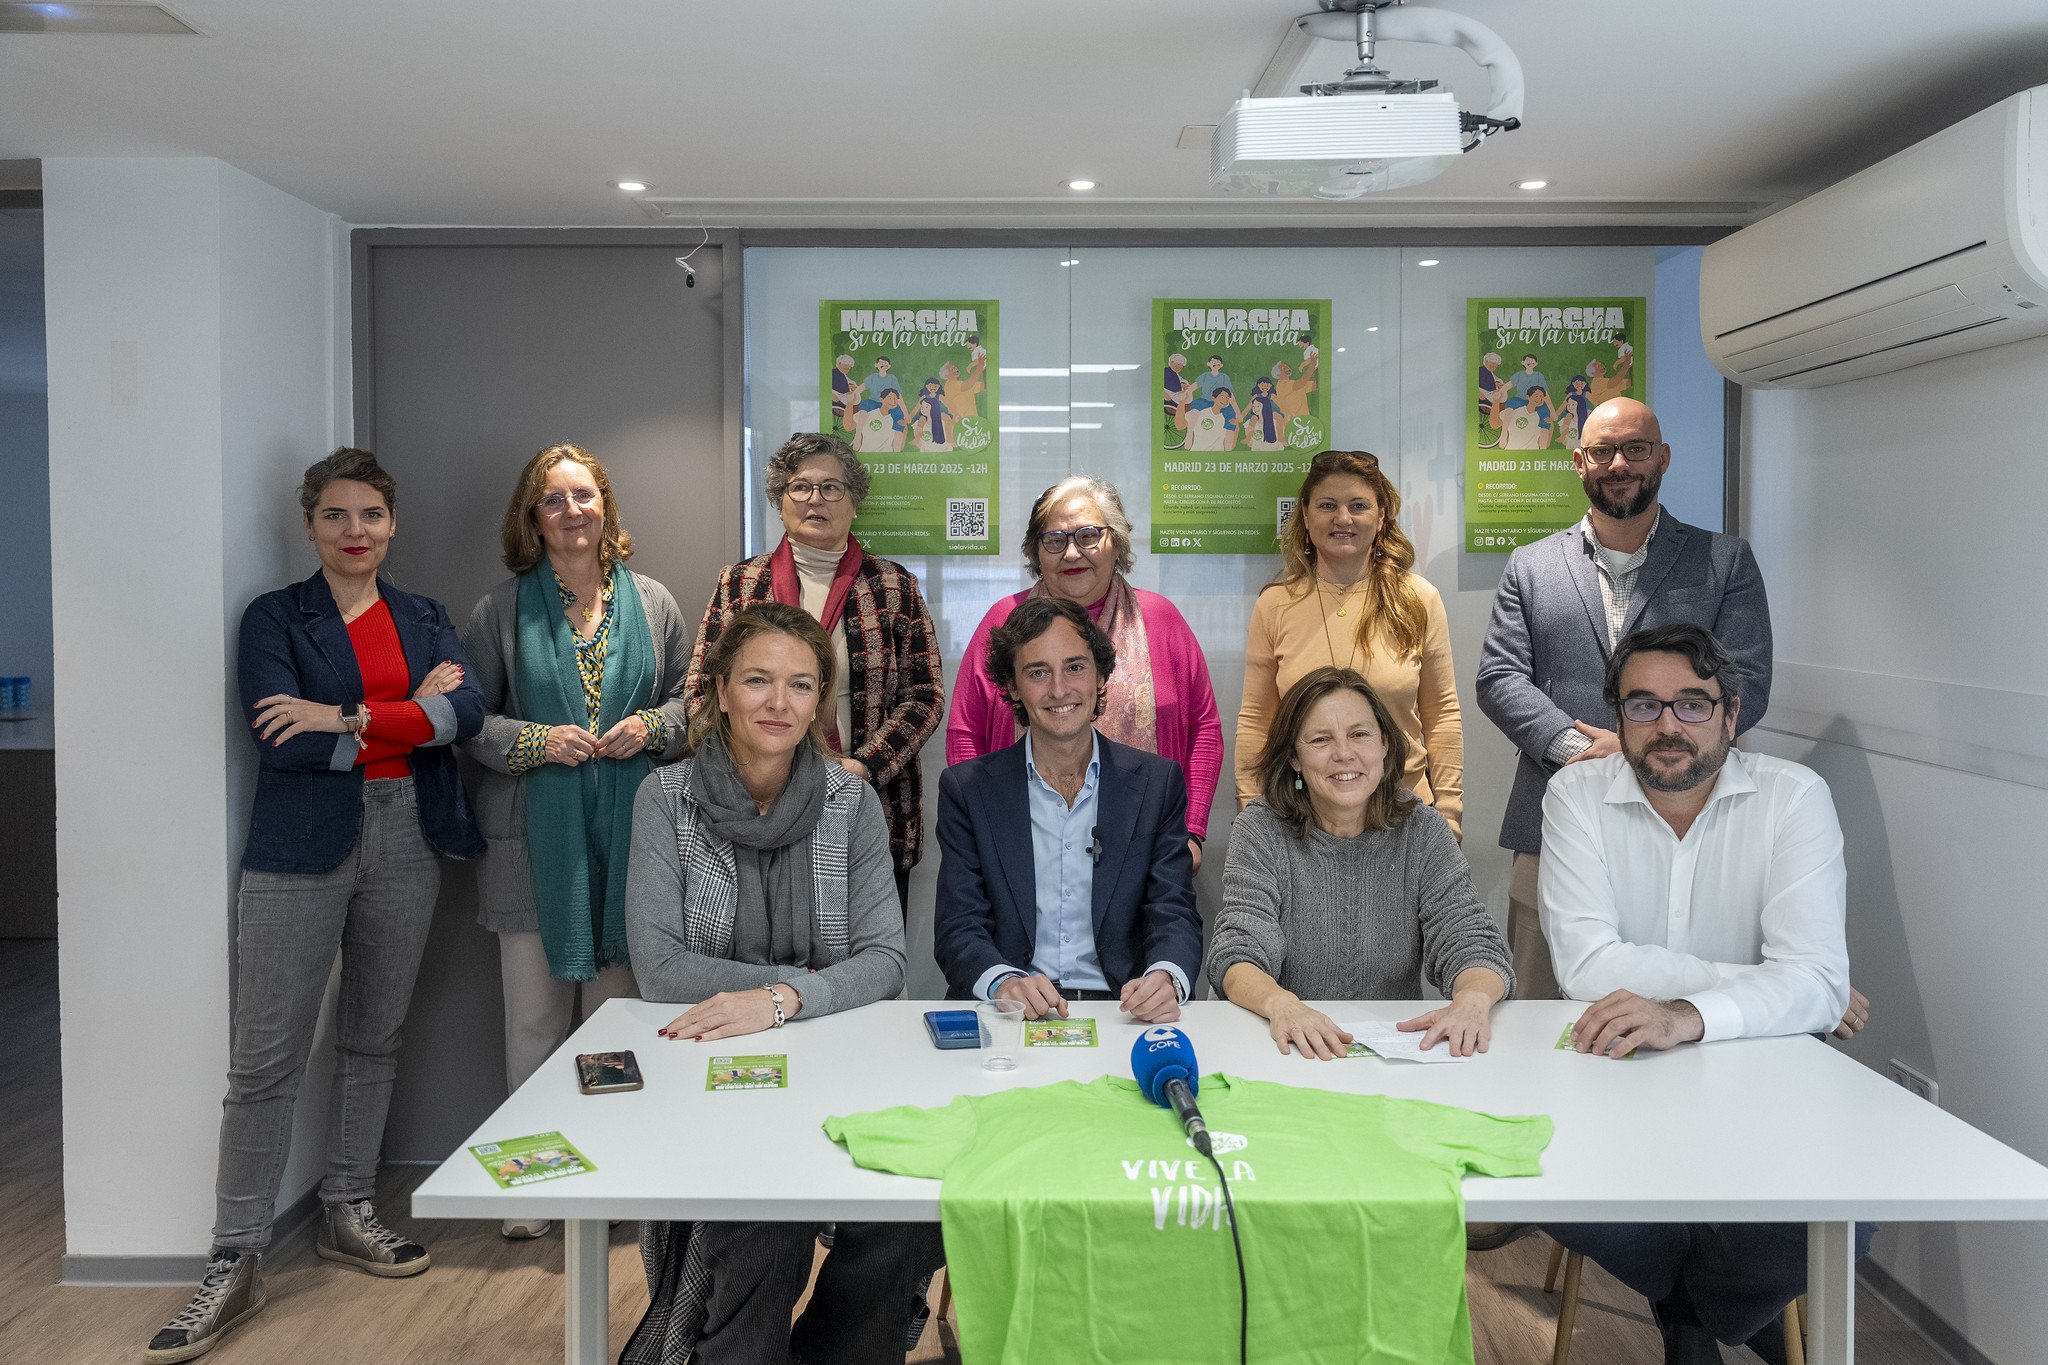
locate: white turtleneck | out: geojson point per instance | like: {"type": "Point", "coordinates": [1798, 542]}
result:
{"type": "Point", "coordinates": [814, 569]}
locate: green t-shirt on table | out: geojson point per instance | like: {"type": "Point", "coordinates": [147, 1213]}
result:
{"type": "Point", "coordinates": [1082, 1226]}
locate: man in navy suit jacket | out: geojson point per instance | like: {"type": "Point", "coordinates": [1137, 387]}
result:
{"type": "Point", "coordinates": [1064, 871]}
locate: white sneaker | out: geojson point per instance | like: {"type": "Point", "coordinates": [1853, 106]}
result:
{"type": "Point", "coordinates": [526, 1229]}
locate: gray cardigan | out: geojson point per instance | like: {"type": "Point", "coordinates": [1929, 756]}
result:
{"type": "Point", "coordinates": [681, 898]}
{"type": "Point", "coordinates": [1352, 919]}
{"type": "Point", "coordinates": [1544, 663]}
{"type": "Point", "coordinates": [504, 880]}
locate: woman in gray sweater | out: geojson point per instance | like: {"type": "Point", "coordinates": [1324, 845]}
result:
{"type": "Point", "coordinates": [1339, 885]}
{"type": "Point", "coordinates": [762, 889]}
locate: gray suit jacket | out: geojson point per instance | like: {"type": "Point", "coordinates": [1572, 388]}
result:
{"type": "Point", "coordinates": [1546, 652]}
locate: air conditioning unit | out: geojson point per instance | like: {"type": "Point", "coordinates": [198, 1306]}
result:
{"type": "Point", "coordinates": [1938, 250]}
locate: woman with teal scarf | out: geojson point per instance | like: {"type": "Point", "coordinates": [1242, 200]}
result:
{"type": "Point", "coordinates": [582, 663]}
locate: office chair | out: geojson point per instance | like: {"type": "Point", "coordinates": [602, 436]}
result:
{"type": "Point", "coordinates": [1568, 1309]}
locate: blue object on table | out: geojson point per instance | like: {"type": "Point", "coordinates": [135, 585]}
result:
{"type": "Point", "coordinates": [953, 1028]}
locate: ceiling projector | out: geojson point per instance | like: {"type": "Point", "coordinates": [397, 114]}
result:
{"type": "Point", "coordinates": [1369, 130]}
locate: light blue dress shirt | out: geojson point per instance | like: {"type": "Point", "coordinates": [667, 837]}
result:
{"type": "Point", "coordinates": [1063, 843]}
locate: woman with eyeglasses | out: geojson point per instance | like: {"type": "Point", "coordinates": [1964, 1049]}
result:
{"type": "Point", "coordinates": [1078, 545]}
{"type": "Point", "coordinates": [1348, 597]}
{"type": "Point", "coordinates": [888, 689]}
{"type": "Point", "coordinates": [582, 664]}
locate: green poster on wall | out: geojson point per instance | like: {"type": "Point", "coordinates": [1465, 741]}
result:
{"type": "Point", "coordinates": [912, 385]}
{"type": "Point", "coordinates": [1539, 367]}
{"type": "Point", "coordinates": [1244, 404]}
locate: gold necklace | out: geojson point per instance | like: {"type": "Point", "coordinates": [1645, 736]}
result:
{"type": "Point", "coordinates": [1343, 596]}
{"type": "Point", "coordinates": [1327, 641]}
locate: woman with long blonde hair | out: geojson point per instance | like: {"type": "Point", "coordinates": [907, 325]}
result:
{"type": "Point", "coordinates": [1348, 597]}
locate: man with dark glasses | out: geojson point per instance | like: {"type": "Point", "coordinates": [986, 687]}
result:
{"type": "Point", "coordinates": [1694, 892]}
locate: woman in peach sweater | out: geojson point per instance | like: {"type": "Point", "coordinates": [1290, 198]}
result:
{"type": "Point", "coordinates": [1347, 597]}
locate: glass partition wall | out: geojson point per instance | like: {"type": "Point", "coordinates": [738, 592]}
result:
{"type": "Point", "coordinates": [1079, 393]}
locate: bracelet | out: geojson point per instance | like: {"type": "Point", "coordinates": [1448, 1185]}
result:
{"type": "Point", "coordinates": [775, 998]}
{"type": "Point", "coordinates": [363, 716]}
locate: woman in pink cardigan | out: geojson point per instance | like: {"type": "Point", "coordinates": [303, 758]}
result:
{"type": "Point", "coordinates": [1078, 544]}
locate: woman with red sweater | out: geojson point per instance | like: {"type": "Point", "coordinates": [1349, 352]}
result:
{"type": "Point", "coordinates": [353, 691]}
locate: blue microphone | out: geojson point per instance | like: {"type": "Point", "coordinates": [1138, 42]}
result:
{"type": "Point", "coordinates": [1163, 1060]}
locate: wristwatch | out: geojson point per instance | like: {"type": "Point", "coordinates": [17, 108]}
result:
{"type": "Point", "coordinates": [354, 721]}
{"type": "Point", "coordinates": [775, 998]}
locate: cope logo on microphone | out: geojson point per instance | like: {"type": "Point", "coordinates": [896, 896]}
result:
{"type": "Point", "coordinates": [1161, 1036]}
{"type": "Point", "coordinates": [1221, 1142]}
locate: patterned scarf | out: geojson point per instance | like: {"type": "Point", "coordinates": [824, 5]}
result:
{"type": "Point", "coordinates": [579, 821]}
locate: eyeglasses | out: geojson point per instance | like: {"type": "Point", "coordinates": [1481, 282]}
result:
{"type": "Point", "coordinates": [1691, 710]}
{"type": "Point", "coordinates": [831, 490]}
{"type": "Point", "coordinates": [555, 503]}
{"type": "Point", "coordinates": [1635, 452]}
{"type": "Point", "coordinates": [1087, 537]}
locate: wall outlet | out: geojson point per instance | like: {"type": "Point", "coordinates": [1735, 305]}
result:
{"type": "Point", "coordinates": [1906, 1076]}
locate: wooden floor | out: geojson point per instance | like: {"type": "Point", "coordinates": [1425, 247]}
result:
{"type": "Point", "coordinates": [491, 1301]}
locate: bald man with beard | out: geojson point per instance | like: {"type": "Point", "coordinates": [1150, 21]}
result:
{"type": "Point", "coordinates": [1564, 603]}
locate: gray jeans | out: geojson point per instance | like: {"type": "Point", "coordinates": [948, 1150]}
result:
{"type": "Point", "coordinates": [375, 910]}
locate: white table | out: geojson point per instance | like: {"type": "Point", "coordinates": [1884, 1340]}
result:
{"type": "Point", "coordinates": [1771, 1130]}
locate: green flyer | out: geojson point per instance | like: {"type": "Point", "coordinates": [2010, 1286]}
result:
{"type": "Point", "coordinates": [1539, 367]}
{"type": "Point", "coordinates": [1244, 404]}
{"type": "Point", "coordinates": [1060, 1033]}
{"type": "Point", "coordinates": [749, 1073]}
{"type": "Point", "coordinates": [1564, 1044]}
{"type": "Point", "coordinates": [530, 1160]}
{"type": "Point", "coordinates": [1359, 1050]}
{"type": "Point", "coordinates": [911, 384]}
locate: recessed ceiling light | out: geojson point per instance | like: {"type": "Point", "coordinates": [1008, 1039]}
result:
{"type": "Point", "coordinates": [1372, 329]}
{"type": "Point", "coordinates": [1079, 184]}
{"type": "Point", "coordinates": [1532, 184]}
{"type": "Point", "coordinates": [1431, 261]}
{"type": "Point", "coordinates": [630, 186]}
{"type": "Point", "coordinates": [1340, 350]}
{"type": "Point", "coordinates": [1070, 262]}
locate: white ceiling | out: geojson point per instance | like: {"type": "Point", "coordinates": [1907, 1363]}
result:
{"type": "Point", "coordinates": [933, 112]}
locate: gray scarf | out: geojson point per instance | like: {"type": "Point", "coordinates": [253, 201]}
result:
{"type": "Point", "coordinates": [772, 922]}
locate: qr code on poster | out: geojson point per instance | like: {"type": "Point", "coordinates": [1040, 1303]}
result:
{"type": "Point", "coordinates": [967, 518]}
{"type": "Point", "coordinates": [1283, 511]}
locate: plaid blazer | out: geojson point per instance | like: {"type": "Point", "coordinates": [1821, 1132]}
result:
{"type": "Point", "coordinates": [896, 688]}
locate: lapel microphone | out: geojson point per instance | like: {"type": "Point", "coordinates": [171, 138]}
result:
{"type": "Point", "coordinates": [1095, 845]}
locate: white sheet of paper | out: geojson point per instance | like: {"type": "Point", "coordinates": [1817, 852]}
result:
{"type": "Point", "coordinates": [1396, 1046]}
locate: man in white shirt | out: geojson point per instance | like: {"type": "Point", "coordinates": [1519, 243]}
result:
{"type": "Point", "coordinates": [1694, 893]}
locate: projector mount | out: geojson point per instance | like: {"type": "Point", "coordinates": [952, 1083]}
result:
{"type": "Point", "coordinates": [1369, 77]}
{"type": "Point", "coordinates": [1369, 130]}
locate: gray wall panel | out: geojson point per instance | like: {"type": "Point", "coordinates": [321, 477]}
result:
{"type": "Point", "coordinates": [474, 357]}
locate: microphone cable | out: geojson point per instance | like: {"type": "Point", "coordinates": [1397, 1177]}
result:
{"type": "Point", "coordinates": [1244, 1297]}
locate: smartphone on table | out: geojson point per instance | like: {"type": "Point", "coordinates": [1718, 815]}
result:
{"type": "Point", "coordinates": [605, 1073]}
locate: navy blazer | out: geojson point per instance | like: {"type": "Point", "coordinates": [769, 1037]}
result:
{"type": "Point", "coordinates": [1544, 663]}
{"type": "Point", "coordinates": [308, 815]}
{"type": "Point", "coordinates": [1144, 902]}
